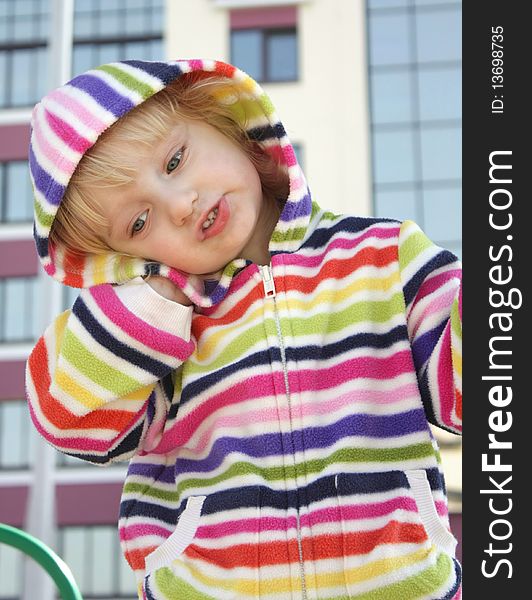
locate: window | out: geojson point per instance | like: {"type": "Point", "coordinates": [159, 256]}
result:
{"type": "Point", "coordinates": [93, 553]}
{"type": "Point", "coordinates": [110, 30]}
{"type": "Point", "coordinates": [17, 435]}
{"type": "Point", "coordinates": [415, 101]}
{"type": "Point", "coordinates": [23, 68]}
{"type": "Point", "coordinates": [20, 309]}
{"type": "Point", "coordinates": [264, 43]}
{"type": "Point", "coordinates": [266, 55]}
{"type": "Point", "coordinates": [11, 573]}
{"type": "Point", "coordinates": [16, 196]}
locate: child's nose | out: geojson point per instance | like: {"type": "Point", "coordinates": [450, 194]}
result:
{"type": "Point", "coordinates": [181, 205]}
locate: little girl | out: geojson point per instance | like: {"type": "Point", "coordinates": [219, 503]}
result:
{"type": "Point", "coordinates": [268, 368]}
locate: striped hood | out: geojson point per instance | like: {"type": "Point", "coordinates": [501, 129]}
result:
{"type": "Point", "coordinates": [69, 120]}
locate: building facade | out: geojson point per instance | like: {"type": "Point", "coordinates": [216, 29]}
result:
{"type": "Point", "coordinates": [370, 95]}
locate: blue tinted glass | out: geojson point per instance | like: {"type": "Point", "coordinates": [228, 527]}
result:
{"type": "Point", "coordinates": [387, 3]}
{"type": "Point", "coordinates": [391, 97]}
{"type": "Point", "coordinates": [103, 560]}
{"type": "Point", "coordinates": [13, 309]}
{"type": "Point", "coordinates": [13, 434]}
{"type": "Point", "coordinates": [440, 94]}
{"type": "Point", "coordinates": [109, 53]}
{"type": "Point", "coordinates": [83, 24]}
{"type": "Point", "coordinates": [439, 35]}
{"type": "Point", "coordinates": [393, 156]}
{"type": "Point", "coordinates": [73, 552]}
{"type": "Point", "coordinates": [157, 18]}
{"type": "Point", "coordinates": [135, 21]}
{"type": "Point", "coordinates": [39, 311]}
{"type": "Point", "coordinates": [41, 68]}
{"type": "Point", "coordinates": [396, 204]}
{"type": "Point", "coordinates": [156, 50]}
{"type": "Point", "coordinates": [10, 571]}
{"type": "Point", "coordinates": [429, 2]}
{"type": "Point", "coordinates": [23, 29]}
{"type": "Point", "coordinates": [110, 22]}
{"type": "Point", "coordinates": [441, 151]}
{"type": "Point", "coordinates": [246, 52]}
{"type": "Point", "coordinates": [83, 58]}
{"type": "Point", "coordinates": [3, 87]}
{"type": "Point", "coordinates": [389, 38]}
{"type": "Point", "coordinates": [3, 30]}
{"type": "Point", "coordinates": [25, 7]}
{"type": "Point", "coordinates": [18, 201]}
{"type": "Point", "coordinates": [281, 49]}
{"type": "Point", "coordinates": [443, 214]}
{"type": "Point", "coordinates": [22, 86]}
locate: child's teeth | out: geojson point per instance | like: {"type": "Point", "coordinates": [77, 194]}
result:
{"type": "Point", "coordinates": [210, 218]}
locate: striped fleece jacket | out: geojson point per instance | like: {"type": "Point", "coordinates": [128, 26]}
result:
{"type": "Point", "coordinates": [277, 432]}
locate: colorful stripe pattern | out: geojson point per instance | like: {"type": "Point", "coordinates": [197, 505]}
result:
{"type": "Point", "coordinates": [281, 448]}
{"type": "Point", "coordinates": [306, 489]}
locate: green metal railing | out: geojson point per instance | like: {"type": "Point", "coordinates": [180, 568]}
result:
{"type": "Point", "coordinates": [45, 556]}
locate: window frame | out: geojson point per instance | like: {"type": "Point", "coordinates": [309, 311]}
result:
{"type": "Point", "coordinates": [266, 33]}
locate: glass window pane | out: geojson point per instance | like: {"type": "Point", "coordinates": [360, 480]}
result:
{"type": "Point", "coordinates": [14, 433]}
{"type": "Point", "coordinates": [135, 22]}
{"type": "Point", "coordinates": [74, 554]}
{"type": "Point", "coordinates": [439, 35]}
{"type": "Point", "coordinates": [281, 56]}
{"type": "Point", "coordinates": [440, 94]}
{"type": "Point", "coordinates": [441, 153]}
{"type": "Point", "coordinates": [111, 22]}
{"type": "Point", "coordinates": [23, 29]}
{"type": "Point", "coordinates": [127, 584]}
{"type": "Point", "coordinates": [387, 3]}
{"type": "Point", "coordinates": [41, 77]}
{"type": "Point", "coordinates": [103, 560]}
{"type": "Point", "coordinates": [23, 8]}
{"type": "Point", "coordinates": [391, 97]}
{"type": "Point", "coordinates": [443, 214]}
{"type": "Point", "coordinates": [389, 38]}
{"type": "Point", "coordinates": [13, 313]}
{"type": "Point", "coordinates": [10, 572]}
{"type": "Point", "coordinates": [155, 50]}
{"type": "Point", "coordinates": [3, 28]}
{"type": "Point", "coordinates": [83, 24]}
{"type": "Point", "coordinates": [393, 156]}
{"type": "Point", "coordinates": [22, 90]}
{"type": "Point", "coordinates": [396, 204]}
{"type": "Point", "coordinates": [246, 52]}
{"type": "Point", "coordinates": [107, 53]}
{"type": "Point", "coordinates": [40, 315]}
{"type": "Point", "coordinates": [83, 58]}
{"type": "Point", "coordinates": [157, 19]}
{"type": "Point", "coordinates": [18, 199]}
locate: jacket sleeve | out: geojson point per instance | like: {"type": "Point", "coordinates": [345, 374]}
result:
{"type": "Point", "coordinates": [98, 381]}
{"type": "Point", "coordinates": [431, 279]}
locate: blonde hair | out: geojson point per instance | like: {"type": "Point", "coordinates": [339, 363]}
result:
{"type": "Point", "coordinates": [194, 97]}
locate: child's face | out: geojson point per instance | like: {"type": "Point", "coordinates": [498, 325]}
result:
{"type": "Point", "coordinates": [194, 172]}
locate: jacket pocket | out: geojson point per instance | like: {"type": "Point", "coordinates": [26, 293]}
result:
{"type": "Point", "coordinates": [436, 531]}
{"type": "Point", "coordinates": [179, 539]}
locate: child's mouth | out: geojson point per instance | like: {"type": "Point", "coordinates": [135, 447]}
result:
{"type": "Point", "coordinates": [211, 217]}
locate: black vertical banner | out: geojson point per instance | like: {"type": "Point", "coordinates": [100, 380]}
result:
{"type": "Point", "coordinates": [497, 161]}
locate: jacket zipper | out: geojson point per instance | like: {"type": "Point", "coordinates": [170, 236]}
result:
{"type": "Point", "coordinates": [269, 292]}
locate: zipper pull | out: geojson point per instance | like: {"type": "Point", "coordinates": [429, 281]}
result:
{"type": "Point", "coordinates": [267, 281]}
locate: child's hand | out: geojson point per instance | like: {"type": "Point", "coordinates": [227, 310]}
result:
{"type": "Point", "coordinates": [165, 288]}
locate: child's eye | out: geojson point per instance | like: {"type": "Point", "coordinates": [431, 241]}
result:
{"type": "Point", "coordinates": [138, 225]}
{"type": "Point", "coordinates": [175, 161]}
